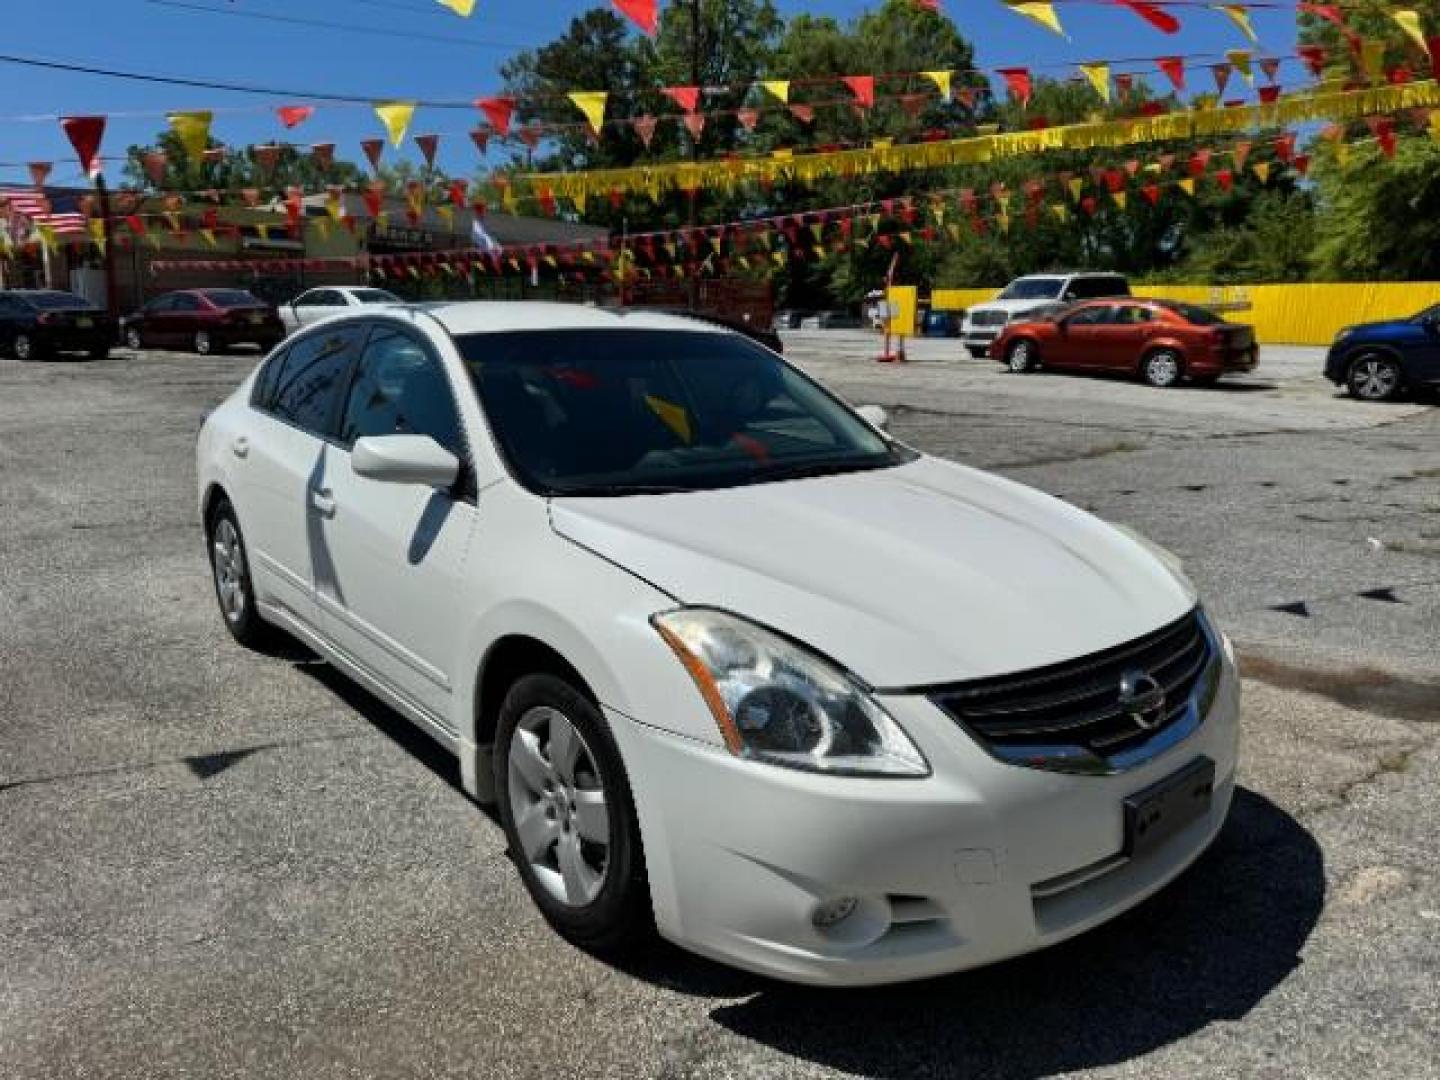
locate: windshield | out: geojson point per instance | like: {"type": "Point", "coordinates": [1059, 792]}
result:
{"type": "Point", "coordinates": [1046, 288]}
{"type": "Point", "coordinates": [375, 296]}
{"type": "Point", "coordinates": [58, 301]}
{"type": "Point", "coordinates": [1429, 315]}
{"type": "Point", "coordinates": [1198, 316]}
{"type": "Point", "coordinates": [230, 298]}
{"type": "Point", "coordinates": [1095, 288]}
{"type": "Point", "coordinates": [624, 412]}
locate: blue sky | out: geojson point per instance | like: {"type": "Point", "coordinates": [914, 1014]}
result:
{"type": "Point", "coordinates": [156, 38]}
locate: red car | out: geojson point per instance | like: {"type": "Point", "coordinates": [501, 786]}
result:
{"type": "Point", "coordinates": [205, 321]}
{"type": "Point", "coordinates": [1159, 340]}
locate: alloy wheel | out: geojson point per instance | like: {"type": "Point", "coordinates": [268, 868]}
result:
{"type": "Point", "coordinates": [24, 347]}
{"type": "Point", "coordinates": [202, 343]}
{"type": "Point", "coordinates": [1162, 369]}
{"type": "Point", "coordinates": [558, 805]}
{"type": "Point", "coordinates": [1020, 357]}
{"type": "Point", "coordinates": [133, 339]}
{"type": "Point", "coordinates": [228, 559]}
{"type": "Point", "coordinates": [1374, 378]}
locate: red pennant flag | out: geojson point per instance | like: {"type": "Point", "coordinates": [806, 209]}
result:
{"type": "Point", "coordinates": [1433, 45]}
{"type": "Point", "coordinates": [1398, 76]}
{"type": "Point", "coordinates": [748, 119]}
{"type": "Point", "coordinates": [1225, 178]}
{"type": "Point", "coordinates": [323, 154]}
{"type": "Point", "coordinates": [643, 13]}
{"type": "Point", "coordinates": [687, 97]}
{"type": "Point", "coordinates": [373, 148]}
{"type": "Point", "coordinates": [481, 138]}
{"type": "Point", "coordinates": [1018, 80]}
{"type": "Point", "coordinates": [136, 224]}
{"type": "Point", "coordinates": [1124, 84]}
{"type": "Point", "coordinates": [1114, 180]}
{"type": "Point", "coordinates": [1315, 57]}
{"type": "Point", "coordinates": [457, 193]}
{"type": "Point", "coordinates": [967, 97]}
{"type": "Point", "coordinates": [804, 113]}
{"type": "Point", "coordinates": [530, 135]}
{"type": "Point", "coordinates": [1152, 108]}
{"type": "Point", "coordinates": [1222, 76]}
{"type": "Point", "coordinates": [1152, 193]}
{"type": "Point", "coordinates": [374, 200]}
{"type": "Point", "coordinates": [645, 127]}
{"type": "Point", "coordinates": [85, 133]}
{"type": "Point", "coordinates": [1268, 94]}
{"type": "Point", "coordinates": [498, 110]}
{"type": "Point", "coordinates": [695, 124]}
{"type": "Point", "coordinates": [40, 172]}
{"type": "Point", "coordinates": [266, 158]}
{"type": "Point", "coordinates": [1240, 153]}
{"type": "Point", "coordinates": [1199, 162]}
{"type": "Point", "coordinates": [1301, 163]}
{"type": "Point", "coordinates": [1167, 162]}
{"type": "Point", "coordinates": [294, 115]}
{"type": "Point", "coordinates": [863, 87]}
{"type": "Point", "coordinates": [546, 199]}
{"type": "Point", "coordinates": [1157, 17]}
{"type": "Point", "coordinates": [428, 144]}
{"type": "Point", "coordinates": [1271, 67]}
{"type": "Point", "coordinates": [1285, 147]}
{"type": "Point", "coordinates": [1088, 204]}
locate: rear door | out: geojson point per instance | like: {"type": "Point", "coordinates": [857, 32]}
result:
{"type": "Point", "coordinates": [396, 552]}
{"type": "Point", "coordinates": [284, 468]}
{"type": "Point", "coordinates": [1123, 336]}
{"type": "Point", "coordinates": [185, 315]}
{"type": "Point", "coordinates": [13, 314]}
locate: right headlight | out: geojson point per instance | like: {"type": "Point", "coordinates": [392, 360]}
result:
{"type": "Point", "coordinates": [779, 703]}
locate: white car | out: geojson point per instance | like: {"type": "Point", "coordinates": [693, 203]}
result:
{"type": "Point", "coordinates": [316, 304]}
{"type": "Point", "coordinates": [983, 323]}
{"type": "Point", "coordinates": [733, 662]}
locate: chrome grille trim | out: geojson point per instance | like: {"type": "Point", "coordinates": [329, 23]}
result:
{"type": "Point", "coordinates": [989, 318]}
{"type": "Point", "coordinates": [1069, 717]}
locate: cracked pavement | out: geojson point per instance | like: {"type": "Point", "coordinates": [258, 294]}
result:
{"type": "Point", "coordinates": [220, 864]}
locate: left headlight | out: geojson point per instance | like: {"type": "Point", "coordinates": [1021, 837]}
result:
{"type": "Point", "coordinates": [779, 703]}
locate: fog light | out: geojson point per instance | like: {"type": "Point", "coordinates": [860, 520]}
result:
{"type": "Point", "coordinates": [833, 912]}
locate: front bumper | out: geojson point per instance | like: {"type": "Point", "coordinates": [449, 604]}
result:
{"type": "Point", "coordinates": [979, 862]}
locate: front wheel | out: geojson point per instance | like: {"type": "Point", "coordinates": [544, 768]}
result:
{"type": "Point", "coordinates": [565, 804]}
{"type": "Point", "coordinates": [1374, 378]}
{"type": "Point", "coordinates": [202, 343]}
{"type": "Point", "coordinates": [1161, 368]}
{"type": "Point", "coordinates": [1022, 357]}
{"type": "Point", "coordinates": [24, 348]}
{"type": "Point", "coordinates": [230, 568]}
{"type": "Point", "coordinates": [133, 340]}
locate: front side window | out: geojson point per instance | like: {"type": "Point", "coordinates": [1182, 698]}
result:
{"type": "Point", "coordinates": [184, 302]}
{"type": "Point", "coordinates": [400, 389]}
{"type": "Point", "coordinates": [619, 412]}
{"type": "Point", "coordinates": [1090, 316]}
{"type": "Point", "coordinates": [59, 301]}
{"type": "Point", "coordinates": [375, 296]}
{"type": "Point", "coordinates": [161, 303]}
{"type": "Point", "coordinates": [307, 388]}
{"type": "Point", "coordinates": [1033, 289]}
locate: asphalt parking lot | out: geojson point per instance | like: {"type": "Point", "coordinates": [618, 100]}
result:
{"type": "Point", "coordinates": [219, 864]}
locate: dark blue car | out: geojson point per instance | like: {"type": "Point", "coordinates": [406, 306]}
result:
{"type": "Point", "coordinates": [1377, 361]}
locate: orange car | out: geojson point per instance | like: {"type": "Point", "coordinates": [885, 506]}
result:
{"type": "Point", "coordinates": [1159, 340]}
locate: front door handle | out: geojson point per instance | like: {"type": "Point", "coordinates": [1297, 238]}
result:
{"type": "Point", "coordinates": [240, 447]}
{"type": "Point", "coordinates": [323, 501]}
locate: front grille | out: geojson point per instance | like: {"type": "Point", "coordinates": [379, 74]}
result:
{"type": "Point", "coordinates": [989, 318]}
{"type": "Point", "coordinates": [1071, 716]}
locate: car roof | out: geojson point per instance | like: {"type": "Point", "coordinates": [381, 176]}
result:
{"type": "Point", "coordinates": [495, 316]}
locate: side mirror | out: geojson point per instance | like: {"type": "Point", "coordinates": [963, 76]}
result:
{"type": "Point", "coordinates": [875, 416]}
{"type": "Point", "coordinates": [405, 459]}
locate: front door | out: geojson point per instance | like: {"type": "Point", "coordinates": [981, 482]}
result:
{"type": "Point", "coordinates": [397, 552]}
{"type": "Point", "coordinates": [1082, 341]}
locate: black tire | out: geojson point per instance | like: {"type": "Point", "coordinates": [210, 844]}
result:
{"type": "Point", "coordinates": [1022, 357]}
{"type": "Point", "coordinates": [1374, 377]}
{"type": "Point", "coordinates": [1206, 382]}
{"type": "Point", "coordinates": [25, 348]}
{"type": "Point", "coordinates": [620, 916]}
{"type": "Point", "coordinates": [134, 339]}
{"type": "Point", "coordinates": [978, 354]}
{"type": "Point", "coordinates": [101, 352]}
{"type": "Point", "coordinates": [245, 624]}
{"type": "Point", "coordinates": [1162, 368]}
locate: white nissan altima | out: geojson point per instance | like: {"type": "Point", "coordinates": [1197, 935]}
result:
{"type": "Point", "coordinates": [733, 663]}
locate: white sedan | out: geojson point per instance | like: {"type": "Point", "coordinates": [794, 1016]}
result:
{"type": "Point", "coordinates": [735, 664]}
{"type": "Point", "coordinates": [311, 307]}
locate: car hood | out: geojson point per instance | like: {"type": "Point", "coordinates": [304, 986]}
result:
{"type": "Point", "coordinates": [919, 574]}
{"type": "Point", "coordinates": [1386, 326]}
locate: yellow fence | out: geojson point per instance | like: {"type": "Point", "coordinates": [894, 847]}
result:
{"type": "Point", "coordinates": [1281, 314]}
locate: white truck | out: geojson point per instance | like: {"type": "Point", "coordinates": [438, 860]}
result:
{"type": "Point", "coordinates": [983, 322]}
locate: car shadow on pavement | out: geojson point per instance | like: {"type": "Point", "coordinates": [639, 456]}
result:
{"type": "Point", "coordinates": [1208, 948]}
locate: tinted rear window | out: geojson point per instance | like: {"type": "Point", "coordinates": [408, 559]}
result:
{"type": "Point", "coordinates": [58, 301]}
{"type": "Point", "coordinates": [1199, 316]}
{"type": "Point", "coordinates": [229, 298]}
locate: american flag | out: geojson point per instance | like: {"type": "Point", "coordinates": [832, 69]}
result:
{"type": "Point", "coordinates": [27, 206]}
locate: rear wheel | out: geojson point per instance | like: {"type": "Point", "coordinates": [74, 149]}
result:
{"type": "Point", "coordinates": [202, 343]}
{"type": "Point", "coordinates": [25, 348]}
{"type": "Point", "coordinates": [100, 352]}
{"type": "Point", "coordinates": [1161, 368]}
{"type": "Point", "coordinates": [1374, 377]}
{"type": "Point", "coordinates": [133, 340]}
{"type": "Point", "coordinates": [1022, 357]}
{"type": "Point", "coordinates": [565, 804]}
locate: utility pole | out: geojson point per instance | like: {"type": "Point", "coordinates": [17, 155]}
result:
{"type": "Point", "coordinates": [112, 302]}
{"type": "Point", "coordinates": [695, 80]}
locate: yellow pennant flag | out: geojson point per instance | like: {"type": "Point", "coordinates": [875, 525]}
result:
{"type": "Point", "coordinates": [1076, 185]}
{"type": "Point", "coordinates": [1241, 59]}
{"type": "Point", "coordinates": [779, 257]}
{"type": "Point", "coordinates": [1410, 22]}
{"type": "Point", "coordinates": [1187, 185]}
{"type": "Point", "coordinates": [941, 79]}
{"type": "Point", "coordinates": [332, 207]}
{"type": "Point", "coordinates": [1435, 125]}
{"type": "Point", "coordinates": [447, 215]}
{"type": "Point", "coordinates": [97, 233]}
{"type": "Point", "coordinates": [1042, 12]}
{"type": "Point", "coordinates": [463, 8]}
{"type": "Point", "coordinates": [592, 104]}
{"type": "Point", "coordinates": [1240, 16]}
{"type": "Point", "coordinates": [47, 237]}
{"type": "Point", "coordinates": [1058, 209]}
{"type": "Point", "coordinates": [1372, 58]}
{"type": "Point", "coordinates": [1003, 220]}
{"type": "Point", "coordinates": [675, 417]}
{"type": "Point", "coordinates": [1120, 198]}
{"type": "Point", "coordinates": [153, 239]}
{"type": "Point", "coordinates": [1262, 170]}
{"type": "Point", "coordinates": [883, 144]}
{"type": "Point", "coordinates": [209, 235]}
{"type": "Point", "coordinates": [193, 131]}
{"type": "Point", "coordinates": [396, 116]}
{"type": "Point", "coordinates": [579, 199]}
{"type": "Point", "coordinates": [779, 88]}
{"type": "Point", "coordinates": [1099, 76]}
{"type": "Point", "coordinates": [173, 220]}
{"type": "Point", "coordinates": [1342, 155]}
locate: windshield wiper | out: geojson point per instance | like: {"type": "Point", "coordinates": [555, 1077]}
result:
{"type": "Point", "coordinates": [819, 468]}
{"type": "Point", "coordinates": [609, 490]}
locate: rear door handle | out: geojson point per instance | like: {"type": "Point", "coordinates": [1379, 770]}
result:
{"type": "Point", "coordinates": [323, 501]}
{"type": "Point", "coordinates": [240, 447]}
